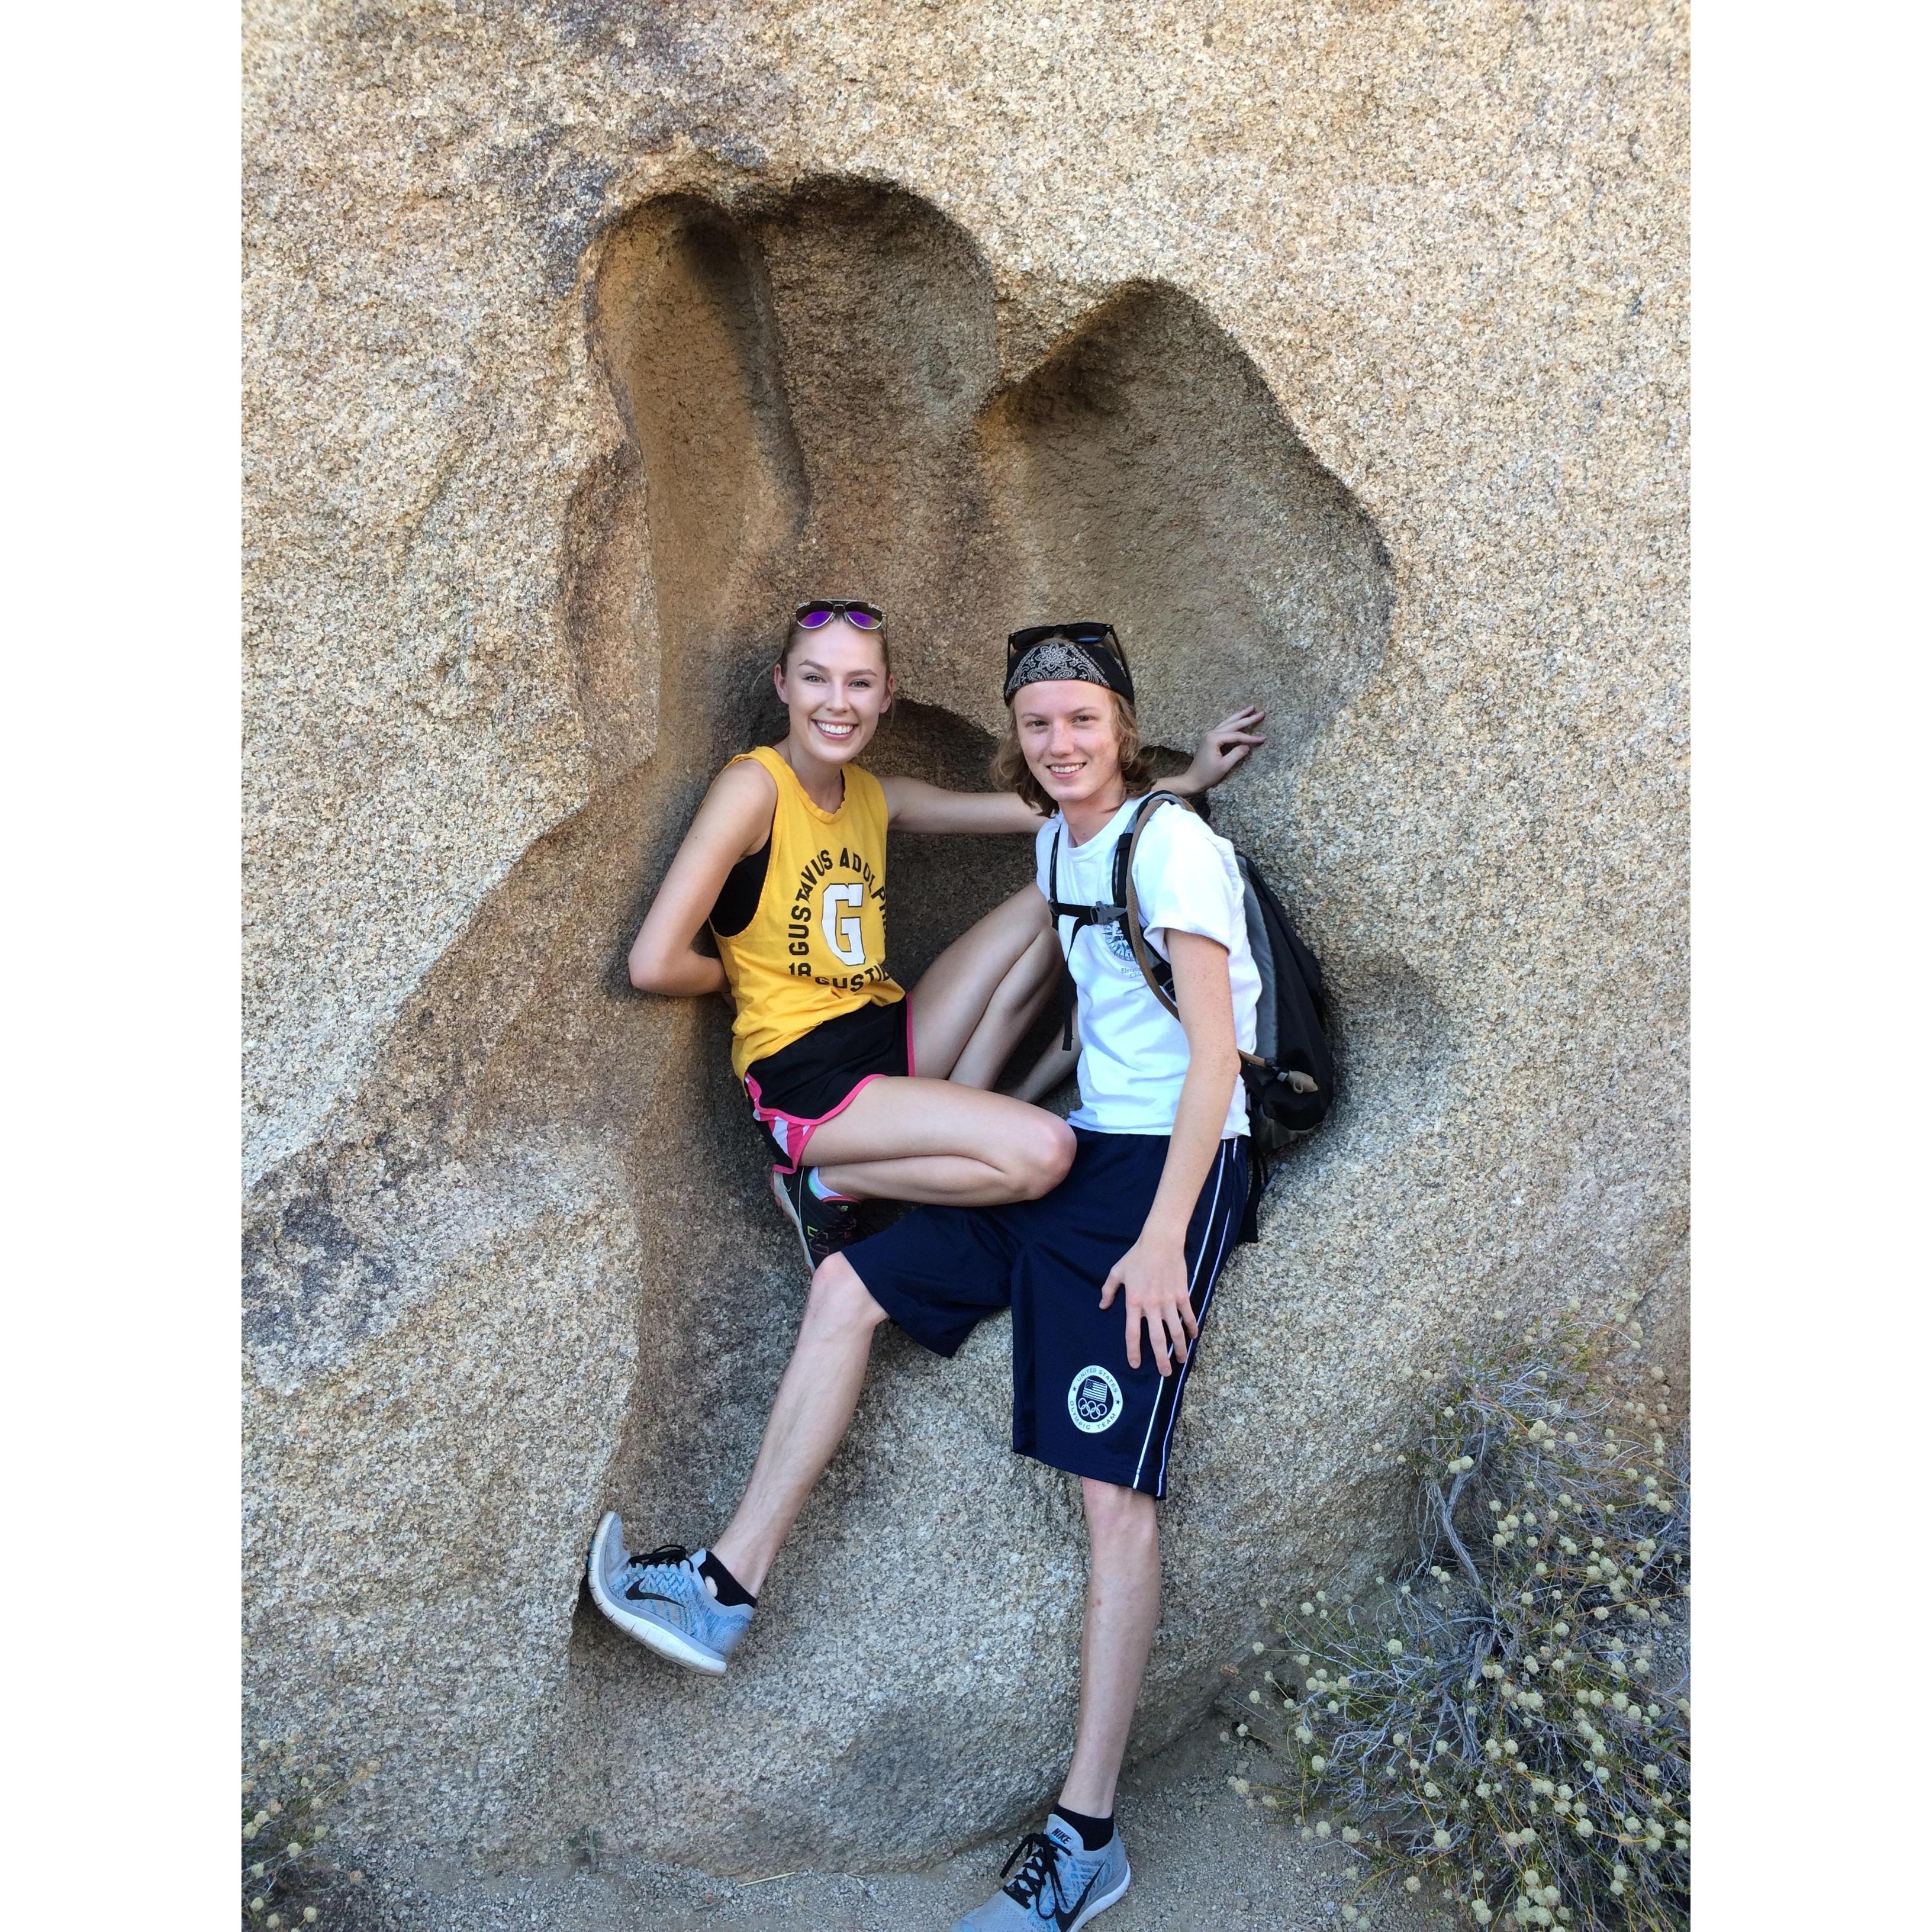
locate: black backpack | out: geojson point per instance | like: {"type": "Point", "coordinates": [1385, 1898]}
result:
{"type": "Point", "coordinates": [1290, 1075]}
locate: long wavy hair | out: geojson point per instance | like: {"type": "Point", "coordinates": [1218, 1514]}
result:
{"type": "Point", "coordinates": [1011, 772]}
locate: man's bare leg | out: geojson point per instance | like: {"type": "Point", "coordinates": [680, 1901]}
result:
{"type": "Point", "coordinates": [809, 1417]}
{"type": "Point", "coordinates": [1123, 1610]}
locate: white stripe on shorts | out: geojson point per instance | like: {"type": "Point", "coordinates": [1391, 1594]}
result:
{"type": "Point", "coordinates": [1207, 1242]}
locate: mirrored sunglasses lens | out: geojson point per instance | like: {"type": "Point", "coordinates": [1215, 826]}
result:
{"type": "Point", "coordinates": [813, 615]}
{"type": "Point", "coordinates": [863, 619]}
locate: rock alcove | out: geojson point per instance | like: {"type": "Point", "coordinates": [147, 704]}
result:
{"type": "Point", "coordinates": [533, 1256]}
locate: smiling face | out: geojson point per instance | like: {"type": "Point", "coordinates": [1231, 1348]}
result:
{"type": "Point", "coordinates": [1069, 734]}
{"type": "Point", "coordinates": [834, 683]}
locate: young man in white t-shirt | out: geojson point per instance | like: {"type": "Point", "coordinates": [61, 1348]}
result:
{"type": "Point", "coordinates": [1109, 1276]}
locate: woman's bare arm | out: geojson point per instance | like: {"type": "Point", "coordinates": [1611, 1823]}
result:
{"type": "Point", "coordinates": [733, 821]}
{"type": "Point", "coordinates": [914, 805]}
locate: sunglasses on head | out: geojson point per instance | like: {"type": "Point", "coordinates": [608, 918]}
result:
{"type": "Point", "coordinates": [1018, 642]}
{"type": "Point", "coordinates": [821, 610]}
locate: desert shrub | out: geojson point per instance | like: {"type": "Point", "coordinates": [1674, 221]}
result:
{"type": "Point", "coordinates": [1506, 1725]}
{"type": "Point", "coordinates": [288, 1799]}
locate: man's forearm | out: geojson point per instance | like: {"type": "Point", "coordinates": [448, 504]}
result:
{"type": "Point", "coordinates": [1197, 1121]}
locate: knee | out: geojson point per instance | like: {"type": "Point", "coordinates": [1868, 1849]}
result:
{"type": "Point", "coordinates": [839, 1299]}
{"type": "Point", "coordinates": [1116, 1515]}
{"type": "Point", "coordinates": [1041, 1155]}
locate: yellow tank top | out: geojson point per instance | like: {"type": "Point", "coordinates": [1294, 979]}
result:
{"type": "Point", "coordinates": [816, 946]}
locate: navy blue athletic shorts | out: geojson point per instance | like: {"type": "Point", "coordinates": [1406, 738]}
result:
{"type": "Point", "coordinates": [938, 1271]}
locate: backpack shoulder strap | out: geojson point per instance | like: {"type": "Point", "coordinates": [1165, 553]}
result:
{"type": "Point", "coordinates": [1158, 982]}
{"type": "Point", "coordinates": [1082, 916]}
{"type": "Point", "coordinates": [1124, 852]}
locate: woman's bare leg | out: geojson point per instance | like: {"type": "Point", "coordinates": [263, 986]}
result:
{"type": "Point", "coordinates": [1017, 1000]}
{"type": "Point", "coordinates": [941, 1137]}
{"type": "Point", "coordinates": [956, 993]}
{"type": "Point", "coordinates": [934, 1140]}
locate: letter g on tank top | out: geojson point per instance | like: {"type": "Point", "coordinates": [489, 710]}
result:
{"type": "Point", "coordinates": [816, 946]}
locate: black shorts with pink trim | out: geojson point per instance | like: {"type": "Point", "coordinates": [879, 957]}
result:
{"type": "Point", "coordinates": [1077, 1404]}
{"type": "Point", "coordinates": [794, 1091]}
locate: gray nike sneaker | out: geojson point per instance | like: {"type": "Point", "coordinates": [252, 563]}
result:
{"type": "Point", "coordinates": [660, 1599]}
{"type": "Point", "coordinates": [1059, 1884]}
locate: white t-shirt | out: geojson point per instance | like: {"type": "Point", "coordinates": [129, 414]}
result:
{"type": "Point", "coordinates": [1133, 1053]}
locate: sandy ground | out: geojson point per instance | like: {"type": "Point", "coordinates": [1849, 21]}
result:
{"type": "Point", "coordinates": [1201, 1858]}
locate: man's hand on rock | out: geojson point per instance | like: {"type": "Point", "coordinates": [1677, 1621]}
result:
{"type": "Point", "coordinates": [1221, 750]}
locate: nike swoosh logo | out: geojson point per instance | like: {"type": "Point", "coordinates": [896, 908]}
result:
{"type": "Point", "coordinates": [650, 1596]}
{"type": "Point", "coordinates": [1064, 1917]}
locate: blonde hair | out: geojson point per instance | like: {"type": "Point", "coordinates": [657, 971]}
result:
{"type": "Point", "coordinates": [1011, 772]}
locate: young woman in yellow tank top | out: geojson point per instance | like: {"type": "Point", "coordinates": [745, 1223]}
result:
{"type": "Point", "coordinates": [863, 1092]}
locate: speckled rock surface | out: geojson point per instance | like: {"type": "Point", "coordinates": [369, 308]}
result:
{"type": "Point", "coordinates": [1338, 352]}
{"type": "Point", "coordinates": [1200, 1856]}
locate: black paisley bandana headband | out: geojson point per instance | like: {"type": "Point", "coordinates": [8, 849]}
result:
{"type": "Point", "coordinates": [1089, 652]}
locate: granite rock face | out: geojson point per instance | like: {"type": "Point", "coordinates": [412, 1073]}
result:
{"type": "Point", "coordinates": [1337, 354]}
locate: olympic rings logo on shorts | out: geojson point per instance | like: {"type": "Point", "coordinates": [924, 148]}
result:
{"type": "Point", "coordinates": [1093, 1400]}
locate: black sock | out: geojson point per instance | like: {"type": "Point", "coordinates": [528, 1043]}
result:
{"type": "Point", "coordinates": [725, 1586]}
{"type": "Point", "coordinates": [1094, 1832]}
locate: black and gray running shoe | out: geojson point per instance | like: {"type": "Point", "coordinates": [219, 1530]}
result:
{"type": "Point", "coordinates": [823, 1227]}
{"type": "Point", "coordinates": [1059, 1886]}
